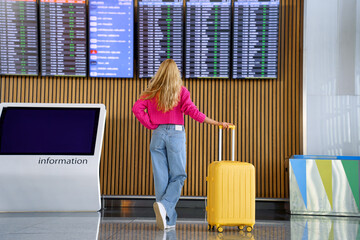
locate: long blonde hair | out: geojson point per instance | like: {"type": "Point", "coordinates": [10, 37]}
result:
{"type": "Point", "coordinates": [165, 86]}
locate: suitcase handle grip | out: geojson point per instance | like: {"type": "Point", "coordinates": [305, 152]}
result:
{"type": "Point", "coordinates": [232, 127]}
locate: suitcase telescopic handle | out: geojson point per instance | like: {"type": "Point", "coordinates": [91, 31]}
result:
{"type": "Point", "coordinates": [232, 127]}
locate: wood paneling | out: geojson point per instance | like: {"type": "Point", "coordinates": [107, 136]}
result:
{"type": "Point", "coordinates": [267, 114]}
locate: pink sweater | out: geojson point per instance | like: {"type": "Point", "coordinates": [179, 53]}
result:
{"type": "Point", "coordinates": [152, 118]}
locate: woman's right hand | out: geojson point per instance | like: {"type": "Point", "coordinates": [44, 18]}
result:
{"type": "Point", "coordinates": [213, 122]}
{"type": "Point", "coordinates": [225, 124]}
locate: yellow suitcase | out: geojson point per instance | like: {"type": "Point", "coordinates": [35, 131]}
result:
{"type": "Point", "coordinates": [230, 192]}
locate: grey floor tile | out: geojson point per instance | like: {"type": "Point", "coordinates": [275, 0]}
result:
{"type": "Point", "coordinates": [16, 224]}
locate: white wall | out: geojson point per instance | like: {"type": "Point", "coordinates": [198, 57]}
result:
{"type": "Point", "coordinates": [332, 77]}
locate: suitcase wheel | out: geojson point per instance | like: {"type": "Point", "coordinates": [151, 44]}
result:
{"type": "Point", "coordinates": [249, 229]}
{"type": "Point", "coordinates": [220, 229]}
{"type": "Point", "coordinates": [210, 227]}
{"type": "Point", "coordinates": [241, 227]}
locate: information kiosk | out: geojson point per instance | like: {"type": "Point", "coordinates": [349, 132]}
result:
{"type": "Point", "coordinates": [50, 156]}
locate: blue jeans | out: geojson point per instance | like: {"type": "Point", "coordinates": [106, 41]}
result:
{"type": "Point", "coordinates": [168, 157]}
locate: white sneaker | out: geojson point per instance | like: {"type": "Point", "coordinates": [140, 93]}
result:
{"type": "Point", "coordinates": [160, 213]}
{"type": "Point", "coordinates": [168, 227]}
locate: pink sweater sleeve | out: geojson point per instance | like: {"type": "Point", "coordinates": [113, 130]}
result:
{"type": "Point", "coordinates": [189, 108]}
{"type": "Point", "coordinates": [143, 117]}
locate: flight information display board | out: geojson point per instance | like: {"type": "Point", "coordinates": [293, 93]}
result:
{"type": "Point", "coordinates": [207, 38]}
{"type": "Point", "coordinates": [18, 37]}
{"type": "Point", "coordinates": [160, 34]}
{"type": "Point", "coordinates": [111, 38]}
{"type": "Point", "coordinates": [255, 40]}
{"type": "Point", "coordinates": [63, 37]}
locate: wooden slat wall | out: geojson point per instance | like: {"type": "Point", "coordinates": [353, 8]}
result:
{"type": "Point", "coordinates": [267, 114]}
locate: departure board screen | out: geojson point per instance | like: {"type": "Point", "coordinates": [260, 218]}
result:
{"type": "Point", "coordinates": [63, 37]}
{"type": "Point", "coordinates": [255, 40]}
{"type": "Point", "coordinates": [111, 38]}
{"type": "Point", "coordinates": [207, 38]}
{"type": "Point", "coordinates": [18, 37]}
{"type": "Point", "coordinates": [160, 34]}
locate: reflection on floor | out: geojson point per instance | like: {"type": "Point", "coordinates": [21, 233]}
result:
{"type": "Point", "coordinates": [324, 227]}
{"type": "Point", "coordinates": [187, 229]}
{"type": "Point", "coordinates": [139, 223]}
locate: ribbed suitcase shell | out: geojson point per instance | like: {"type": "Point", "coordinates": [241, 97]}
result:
{"type": "Point", "coordinates": [231, 194]}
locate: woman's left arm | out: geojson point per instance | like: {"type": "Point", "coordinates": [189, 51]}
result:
{"type": "Point", "coordinates": [139, 111]}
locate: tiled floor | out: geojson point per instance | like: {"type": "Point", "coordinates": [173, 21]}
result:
{"type": "Point", "coordinates": [139, 223]}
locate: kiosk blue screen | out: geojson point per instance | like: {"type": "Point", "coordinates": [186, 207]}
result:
{"type": "Point", "coordinates": [44, 131]}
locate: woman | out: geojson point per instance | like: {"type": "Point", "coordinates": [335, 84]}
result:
{"type": "Point", "coordinates": [160, 108]}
